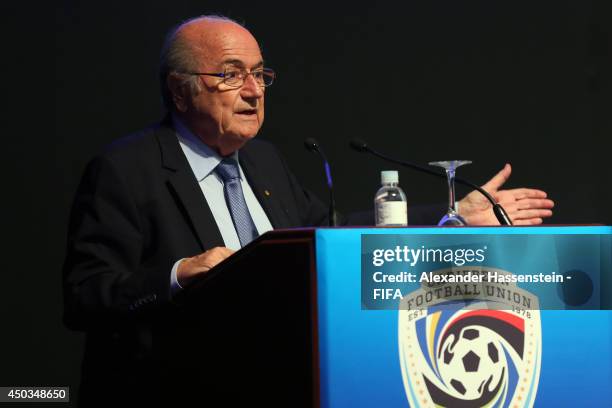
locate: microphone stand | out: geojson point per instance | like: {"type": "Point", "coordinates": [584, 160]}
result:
{"type": "Point", "coordinates": [312, 145]}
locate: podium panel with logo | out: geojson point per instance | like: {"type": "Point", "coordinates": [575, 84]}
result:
{"type": "Point", "coordinates": [457, 344]}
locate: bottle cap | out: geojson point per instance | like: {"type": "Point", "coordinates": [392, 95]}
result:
{"type": "Point", "coordinates": [389, 176]}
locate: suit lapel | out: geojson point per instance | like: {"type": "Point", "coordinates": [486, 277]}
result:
{"type": "Point", "coordinates": [184, 186]}
{"type": "Point", "coordinates": [266, 192]}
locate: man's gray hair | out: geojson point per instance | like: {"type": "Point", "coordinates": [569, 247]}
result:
{"type": "Point", "coordinates": [177, 55]}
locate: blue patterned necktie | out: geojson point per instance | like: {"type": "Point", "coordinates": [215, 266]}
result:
{"type": "Point", "coordinates": [229, 173]}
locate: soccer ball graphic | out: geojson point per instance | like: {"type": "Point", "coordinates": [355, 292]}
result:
{"type": "Point", "coordinates": [472, 364]}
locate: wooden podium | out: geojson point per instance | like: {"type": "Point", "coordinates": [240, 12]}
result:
{"type": "Point", "coordinates": [256, 314]}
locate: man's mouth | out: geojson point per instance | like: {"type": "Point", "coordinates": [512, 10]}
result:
{"type": "Point", "coordinates": [247, 112]}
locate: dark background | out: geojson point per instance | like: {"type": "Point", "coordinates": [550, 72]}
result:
{"type": "Point", "coordinates": [524, 82]}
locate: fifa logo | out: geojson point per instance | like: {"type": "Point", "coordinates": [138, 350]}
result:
{"type": "Point", "coordinates": [464, 351]}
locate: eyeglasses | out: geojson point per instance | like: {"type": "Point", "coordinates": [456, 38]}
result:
{"type": "Point", "coordinates": [236, 77]}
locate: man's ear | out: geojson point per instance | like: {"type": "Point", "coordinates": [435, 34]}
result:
{"type": "Point", "coordinates": [177, 91]}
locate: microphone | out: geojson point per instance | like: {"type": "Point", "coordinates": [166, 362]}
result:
{"type": "Point", "coordinates": [501, 214]}
{"type": "Point", "coordinates": [312, 145]}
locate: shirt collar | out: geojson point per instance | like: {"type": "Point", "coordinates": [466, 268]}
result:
{"type": "Point", "coordinates": [201, 158]}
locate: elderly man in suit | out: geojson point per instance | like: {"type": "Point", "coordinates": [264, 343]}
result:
{"type": "Point", "coordinates": [165, 205]}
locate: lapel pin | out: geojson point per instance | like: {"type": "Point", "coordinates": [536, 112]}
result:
{"type": "Point", "coordinates": [267, 193]}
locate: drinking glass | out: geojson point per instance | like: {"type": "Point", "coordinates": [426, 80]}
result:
{"type": "Point", "coordinates": [451, 217]}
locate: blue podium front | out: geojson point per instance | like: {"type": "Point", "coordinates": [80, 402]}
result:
{"type": "Point", "coordinates": [465, 317]}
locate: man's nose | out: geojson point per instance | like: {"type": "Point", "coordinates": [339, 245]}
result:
{"type": "Point", "coordinates": [251, 88]}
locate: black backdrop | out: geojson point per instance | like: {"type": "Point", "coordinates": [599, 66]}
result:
{"type": "Point", "coordinates": [506, 81]}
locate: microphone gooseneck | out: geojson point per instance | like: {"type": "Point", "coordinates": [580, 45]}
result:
{"type": "Point", "coordinates": [501, 214]}
{"type": "Point", "coordinates": [312, 145]}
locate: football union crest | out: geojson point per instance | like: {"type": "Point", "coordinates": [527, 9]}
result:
{"type": "Point", "coordinates": [473, 346]}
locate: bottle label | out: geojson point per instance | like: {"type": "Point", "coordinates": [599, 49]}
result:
{"type": "Point", "coordinates": [392, 213]}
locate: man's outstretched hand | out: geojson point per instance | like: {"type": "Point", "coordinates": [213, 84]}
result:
{"type": "Point", "coordinates": [525, 206]}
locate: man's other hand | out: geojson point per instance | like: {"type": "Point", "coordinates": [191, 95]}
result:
{"type": "Point", "coordinates": [189, 268]}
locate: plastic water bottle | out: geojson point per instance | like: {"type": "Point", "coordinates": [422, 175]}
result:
{"type": "Point", "coordinates": [390, 205]}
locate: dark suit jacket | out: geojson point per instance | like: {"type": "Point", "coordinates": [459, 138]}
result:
{"type": "Point", "coordinates": [137, 211]}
